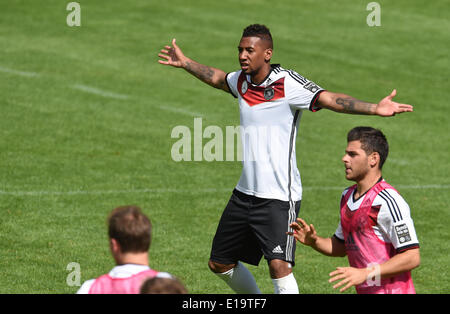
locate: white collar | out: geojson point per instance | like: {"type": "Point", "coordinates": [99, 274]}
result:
{"type": "Point", "coordinates": [127, 270]}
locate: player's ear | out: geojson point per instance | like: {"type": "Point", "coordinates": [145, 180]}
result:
{"type": "Point", "coordinates": [268, 54]}
{"type": "Point", "coordinates": [114, 245]}
{"type": "Point", "coordinates": [374, 159]}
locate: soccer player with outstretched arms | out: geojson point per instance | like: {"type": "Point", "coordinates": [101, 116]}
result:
{"type": "Point", "coordinates": [267, 197]}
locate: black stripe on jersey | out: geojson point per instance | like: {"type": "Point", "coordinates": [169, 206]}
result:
{"type": "Point", "coordinates": [292, 213]}
{"type": "Point", "coordinates": [297, 77]}
{"type": "Point", "coordinates": [275, 68]}
{"type": "Point", "coordinates": [290, 240]}
{"type": "Point", "coordinates": [407, 247]}
{"type": "Point", "coordinates": [291, 144]}
{"type": "Point", "coordinates": [390, 206]}
{"type": "Point", "coordinates": [394, 203]}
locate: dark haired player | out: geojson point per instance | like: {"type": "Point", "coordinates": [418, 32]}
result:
{"type": "Point", "coordinates": [376, 230]}
{"type": "Point", "coordinates": [266, 199]}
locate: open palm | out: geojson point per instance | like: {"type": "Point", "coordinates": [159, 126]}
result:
{"type": "Point", "coordinates": [302, 232]}
{"type": "Point", "coordinates": [387, 107]}
{"type": "Point", "coordinates": [172, 54]}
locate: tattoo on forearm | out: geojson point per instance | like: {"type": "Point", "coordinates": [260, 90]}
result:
{"type": "Point", "coordinates": [203, 72]}
{"type": "Point", "coordinates": [354, 105]}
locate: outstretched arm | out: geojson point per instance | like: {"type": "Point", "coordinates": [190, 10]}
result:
{"type": "Point", "coordinates": [174, 57]}
{"type": "Point", "coordinates": [347, 104]}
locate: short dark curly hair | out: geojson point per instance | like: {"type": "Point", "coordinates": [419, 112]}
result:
{"type": "Point", "coordinates": [372, 140]}
{"type": "Point", "coordinates": [258, 30]}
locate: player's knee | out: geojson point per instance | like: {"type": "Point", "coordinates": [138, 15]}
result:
{"type": "Point", "coordinates": [219, 268]}
{"type": "Point", "coordinates": [279, 268]}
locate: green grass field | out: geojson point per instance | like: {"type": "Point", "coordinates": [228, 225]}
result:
{"type": "Point", "coordinates": [86, 115]}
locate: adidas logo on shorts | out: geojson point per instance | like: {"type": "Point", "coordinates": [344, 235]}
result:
{"type": "Point", "coordinates": [277, 250]}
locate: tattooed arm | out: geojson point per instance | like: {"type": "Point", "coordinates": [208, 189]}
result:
{"type": "Point", "coordinates": [347, 104]}
{"type": "Point", "coordinates": [174, 56]}
{"type": "Point", "coordinates": [211, 76]}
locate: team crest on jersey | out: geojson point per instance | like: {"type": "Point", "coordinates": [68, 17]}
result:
{"type": "Point", "coordinates": [244, 87]}
{"type": "Point", "coordinates": [255, 95]}
{"type": "Point", "coordinates": [269, 92]}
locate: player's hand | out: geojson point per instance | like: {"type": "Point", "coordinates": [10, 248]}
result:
{"type": "Point", "coordinates": [350, 277]}
{"type": "Point", "coordinates": [303, 233]}
{"type": "Point", "coordinates": [387, 107]}
{"type": "Point", "coordinates": [173, 55]}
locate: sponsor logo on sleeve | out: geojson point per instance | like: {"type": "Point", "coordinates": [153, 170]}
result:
{"type": "Point", "coordinates": [311, 86]}
{"type": "Point", "coordinates": [402, 232]}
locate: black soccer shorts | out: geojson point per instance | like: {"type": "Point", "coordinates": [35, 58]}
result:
{"type": "Point", "coordinates": [251, 227]}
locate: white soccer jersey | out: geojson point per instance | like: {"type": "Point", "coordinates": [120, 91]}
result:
{"type": "Point", "coordinates": [269, 116]}
{"type": "Point", "coordinates": [394, 222]}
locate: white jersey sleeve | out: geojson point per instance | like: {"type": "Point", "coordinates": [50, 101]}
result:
{"type": "Point", "coordinates": [339, 233]}
{"type": "Point", "coordinates": [86, 286]}
{"type": "Point", "coordinates": [232, 80]}
{"type": "Point", "coordinates": [301, 92]}
{"type": "Point", "coordinates": [395, 222]}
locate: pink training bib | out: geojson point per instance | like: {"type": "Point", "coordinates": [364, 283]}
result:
{"type": "Point", "coordinates": [130, 285]}
{"type": "Point", "coordinates": [364, 247]}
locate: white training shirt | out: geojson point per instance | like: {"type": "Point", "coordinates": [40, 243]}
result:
{"type": "Point", "coordinates": [394, 223]}
{"type": "Point", "coordinates": [269, 116]}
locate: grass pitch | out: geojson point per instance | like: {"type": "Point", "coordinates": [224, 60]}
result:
{"type": "Point", "coordinates": [86, 115]}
